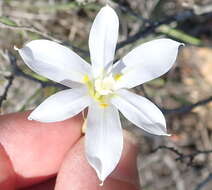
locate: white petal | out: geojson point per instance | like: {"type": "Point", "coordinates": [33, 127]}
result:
{"type": "Point", "coordinates": [146, 62]}
{"type": "Point", "coordinates": [103, 139]}
{"type": "Point", "coordinates": [103, 38]}
{"type": "Point", "coordinates": [54, 61]}
{"type": "Point", "coordinates": [140, 111]}
{"type": "Point", "coordinates": [61, 106]}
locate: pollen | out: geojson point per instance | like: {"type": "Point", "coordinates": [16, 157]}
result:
{"type": "Point", "coordinates": [86, 79]}
{"type": "Point", "coordinates": [117, 76]}
{"type": "Point", "coordinates": [103, 105]}
{"type": "Point", "coordinates": [89, 83]}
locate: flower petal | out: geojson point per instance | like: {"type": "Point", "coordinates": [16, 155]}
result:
{"type": "Point", "coordinates": [61, 106]}
{"type": "Point", "coordinates": [54, 61]}
{"type": "Point", "coordinates": [103, 38]}
{"type": "Point", "coordinates": [103, 139]}
{"type": "Point", "coordinates": [140, 111]}
{"type": "Point", "coordinates": [146, 62]}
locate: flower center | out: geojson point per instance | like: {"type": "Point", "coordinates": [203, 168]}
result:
{"type": "Point", "coordinates": [101, 88]}
{"type": "Point", "coordinates": [104, 86]}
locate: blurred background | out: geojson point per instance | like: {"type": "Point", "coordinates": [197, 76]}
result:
{"type": "Point", "coordinates": [182, 161]}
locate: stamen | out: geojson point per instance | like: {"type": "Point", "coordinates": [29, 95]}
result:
{"type": "Point", "coordinates": [101, 88]}
{"type": "Point", "coordinates": [86, 79]}
{"type": "Point", "coordinates": [103, 105]}
{"type": "Point", "coordinates": [117, 76]}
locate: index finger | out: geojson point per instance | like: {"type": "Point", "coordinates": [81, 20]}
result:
{"type": "Point", "coordinates": [36, 149]}
{"type": "Point", "coordinates": [77, 174]}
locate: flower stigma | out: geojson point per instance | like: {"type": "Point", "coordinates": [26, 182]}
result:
{"type": "Point", "coordinates": [102, 88]}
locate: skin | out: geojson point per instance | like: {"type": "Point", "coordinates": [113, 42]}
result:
{"type": "Point", "coordinates": [48, 156]}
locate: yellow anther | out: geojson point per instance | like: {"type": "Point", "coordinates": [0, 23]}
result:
{"type": "Point", "coordinates": [86, 79]}
{"type": "Point", "coordinates": [89, 84]}
{"type": "Point", "coordinates": [117, 76]}
{"type": "Point", "coordinates": [103, 105]}
{"type": "Point", "coordinates": [100, 89]}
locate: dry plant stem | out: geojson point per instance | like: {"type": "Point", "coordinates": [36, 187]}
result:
{"type": "Point", "coordinates": [9, 84]}
{"type": "Point", "coordinates": [183, 157]}
{"type": "Point", "coordinates": [152, 27]}
{"type": "Point", "coordinates": [29, 29]}
{"type": "Point", "coordinates": [43, 34]}
{"type": "Point", "coordinates": [188, 108]}
{"type": "Point", "coordinates": [140, 34]}
{"type": "Point", "coordinates": [182, 16]}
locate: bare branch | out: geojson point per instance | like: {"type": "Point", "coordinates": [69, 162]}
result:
{"type": "Point", "coordinates": [152, 27]}
{"type": "Point", "coordinates": [187, 158]}
{"type": "Point", "coordinates": [129, 11]}
{"type": "Point", "coordinates": [9, 84]}
{"type": "Point", "coordinates": [45, 35]}
{"type": "Point", "coordinates": [187, 108]}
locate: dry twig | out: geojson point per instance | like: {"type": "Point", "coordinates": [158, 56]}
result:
{"type": "Point", "coordinates": [9, 84]}
{"type": "Point", "coordinates": [188, 158]}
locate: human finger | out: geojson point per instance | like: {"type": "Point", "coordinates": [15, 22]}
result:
{"type": "Point", "coordinates": [36, 149]}
{"type": "Point", "coordinates": [7, 174]}
{"type": "Point", "coordinates": [77, 174]}
{"type": "Point", "coordinates": [46, 185]}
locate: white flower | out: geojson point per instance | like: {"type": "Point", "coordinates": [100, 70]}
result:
{"type": "Point", "coordinates": [102, 87]}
